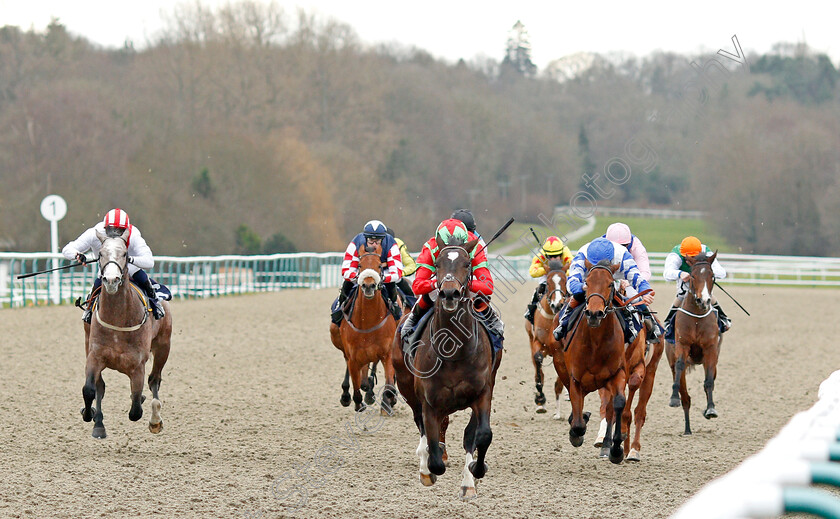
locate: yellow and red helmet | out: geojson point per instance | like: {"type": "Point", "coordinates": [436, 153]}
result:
{"type": "Point", "coordinates": [553, 246]}
{"type": "Point", "coordinates": [690, 246]}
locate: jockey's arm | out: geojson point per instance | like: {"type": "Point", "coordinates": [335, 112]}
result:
{"type": "Point", "coordinates": [640, 256]}
{"type": "Point", "coordinates": [80, 245]}
{"type": "Point", "coordinates": [350, 265]}
{"type": "Point", "coordinates": [140, 253]}
{"type": "Point", "coordinates": [577, 275]}
{"type": "Point", "coordinates": [537, 269]}
{"type": "Point", "coordinates": [673, 262]}
{"type": "Point", "coordinates": [409, 266]}
{"type": "Point", "coordinates": [395, 266]}
{"type": "Point", "coordinates": [567, 256]}
{"type": "Point", "coordinates": [482, 281]}
{"type": "Point", "coordinates": [718, 270]}
{"type": "Point", "coordinates": [424, 275]}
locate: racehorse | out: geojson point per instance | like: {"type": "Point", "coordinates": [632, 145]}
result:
{"type": "Point", "coordinates": [365, 335]}
{"type": "Point", "coordinates": [697, 335]}
{"type": "Point", "coordinates": [121, 336]}
{"type": "Point", "coordinates": [539, 334]}
{"type": "Point", "coordinates": [453, 368]}
{"type": "Point", "coordinates": [594, 359]}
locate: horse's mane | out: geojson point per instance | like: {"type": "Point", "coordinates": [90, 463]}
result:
{"type": "Point", "coordinates": [605, 263]}
{"type": "Point", "coordinates": [555, 264]}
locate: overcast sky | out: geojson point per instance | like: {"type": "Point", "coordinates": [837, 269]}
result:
{"type": "Point", "coordinates": [465, 29]}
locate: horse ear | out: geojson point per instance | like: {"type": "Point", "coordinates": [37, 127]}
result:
{"type": "Point", "coordinates": [470, 245]}
{"type": "Point", "coordinates": [587, 264]}
{"type": "Point", "coordinates": [613, 268]}
{"type": "Point", "coordinates": [713, 256]}
{"type": "Point", "coordinates": [690, 260]}
{"type": "Point", "coordinates": [101, 236]}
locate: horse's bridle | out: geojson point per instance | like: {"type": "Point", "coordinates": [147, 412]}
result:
{"type": "Point", "coordinates": [608, 307]}
{"type": "Point", "coordinates": [464, 285]}
{"type": "Point", "coordinates": [121, 269]}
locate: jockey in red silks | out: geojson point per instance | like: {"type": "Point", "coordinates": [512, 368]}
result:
{"type": "Point", "coordinates": [374, 233]}
{"type": "Point", "coordinates": [451, 232]}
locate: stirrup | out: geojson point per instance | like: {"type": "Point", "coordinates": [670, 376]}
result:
{"type": "Point", "coordinates": [88, 315]}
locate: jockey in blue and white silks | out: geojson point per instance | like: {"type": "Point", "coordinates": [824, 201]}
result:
{"type": "Point", "coordinates": [595, 251]}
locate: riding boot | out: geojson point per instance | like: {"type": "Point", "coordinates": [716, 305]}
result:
{"type": "Point", "coordinates": [563, 328]}
{"type": "Point", "coordinates": [408, 293]}
{"type": "Point", "coordinates": [724, 323]}
{"type": "Point", "coordinates": [650, 324]}
{"type": "Point", "coordinates": [337, 315]}
{"type": "Point", "coordinates": [145, 283]}
{"type": "Point", "coordinates": [91, 298]}
{"type": "Point", "coordinates": [535, 299]}
{"type": "Point", "coordinates": [410, 324]}
{"type": "Point", "coordinates": [669, 325]}
{"type": "Point", "coordinates": [393, 304]}
{"type": "Point", "coordinates": [492, 322]}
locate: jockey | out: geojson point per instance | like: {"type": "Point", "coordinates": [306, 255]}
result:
{"type": "Point", "coordinates": [139, 256]}
{"type": "Point", "coordinates": [452, 231]}
{"type": "Point", "coordinates": [552, 249]}
{"type": "Point", "coordinates": [469, 221]}
{"type": "Point", "coordinates": [677, 269]}
{"type": "Point", "coordinates": [620, 233]}
{"type": "Point", "coordinates": [595, 251]}
{"type": "Point", "coordinates": [409, 266]}
{"type": "Point", "coordinates": [374, 233]}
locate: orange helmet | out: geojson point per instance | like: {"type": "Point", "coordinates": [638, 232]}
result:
{"type": "Point", "coordinates": [690, 246]}
{"type": "Point", "coordinates": [553, 246]}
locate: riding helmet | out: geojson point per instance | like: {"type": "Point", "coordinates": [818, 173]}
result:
{"type": "Point", "coordinates": [465, 216]}
{"type": "Point", "coordinates": [599, 249]}
{"type": "Point", "coordinates": [375, 229]}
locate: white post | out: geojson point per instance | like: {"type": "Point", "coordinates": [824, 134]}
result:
{"type": "Point", "coordinates": [53, 208]}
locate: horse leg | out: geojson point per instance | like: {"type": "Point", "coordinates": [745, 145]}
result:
{"type": "Point", "coordinates": [136, 378]}
{"type": "Point", "coordinates": [537, 358]}
{"type": "Point", "coordinates": [161, 355]}
{"type": "Point", "coordinates": [345, 388]}
{"type": "Point", "coordinates": [468, 481]}
{"type": "Point", "coordinates": [710, 367]}
{"type": "Point", "coordinates": [98, 425]}
{"type": "Point", "coordinates": [558, 390]}
{"type": "Point", "coordinates": [431, 423]}
{"type": "Point", "coordinates": [483, 433]}
{"type": "Point", "coordinates": [444, 425]}
{"type": "Point", "coordinates": [602, 427]}
{"type": "Point", "coordinates": [389, 397]}
{"type": "Point", "coordinates": [634, 382]}
{"type": "Point", "coordinates": [616, 388]}
{"type": "Point", "coordinates": [368, 383]}
{"type": "Point", "coordinates": [356, 377]}
{"type": "Point", "coordinates": [576, 420]}
{"type": "Point", "coordinates": [681, 387]}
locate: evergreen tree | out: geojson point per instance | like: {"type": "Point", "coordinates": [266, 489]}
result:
{"type": "Point", "coordinates": [518, 52]}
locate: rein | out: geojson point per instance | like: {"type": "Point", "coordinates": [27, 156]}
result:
{"type": "Point", "coordinates": [621, 304]}
{"type": "Point", "coordinates": [125, 328]}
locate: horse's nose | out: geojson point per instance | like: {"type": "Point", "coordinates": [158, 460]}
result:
{"type": "Point", "coordinates": [451, 294]}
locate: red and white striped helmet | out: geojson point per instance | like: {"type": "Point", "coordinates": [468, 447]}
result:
{"type": "Point", "coordinates": [117, 218]}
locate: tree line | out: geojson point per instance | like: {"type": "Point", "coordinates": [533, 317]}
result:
{"type": "Point", "coordinates": [248, 129]}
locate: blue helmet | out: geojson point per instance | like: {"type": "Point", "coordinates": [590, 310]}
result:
{"type": "Point", "coordinates": [599, 249]}
{"type": "Point", "coordinates": [375, 229]}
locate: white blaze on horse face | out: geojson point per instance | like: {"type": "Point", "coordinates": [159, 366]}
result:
{"type": "Point", "coordinates": [556, 296]}
{"type": "Point", "coordinates": [111, 251]}
{"type": "Point", "coordinates": [453, 255]}
{"type": "Point", "coordinates": [705, 295]}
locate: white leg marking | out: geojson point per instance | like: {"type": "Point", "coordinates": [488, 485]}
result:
{"type": "Point", "coordinates": [558, 415]}
{"type": "Point", "coordinates": [423, 452]}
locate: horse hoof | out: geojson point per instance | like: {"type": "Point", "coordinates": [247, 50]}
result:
{"type": "Point", "coordinates": [88, 417]}
{"type": "Point", "coordinates": [633, 455]}
{"type": "Point", "coordinates": [675, 402]}
{"type": "Point", "coordinates": [156, 428]}
{"type": "Point", "coordinates": [369, 398]}
{"type": "Point", "coordinates": [345, 400]}
{"type": "Point", "coordinates": [599, 441]}
{"type": "Point", "coordinates": [617, 456]}
{"type": "Point", "coordinates": [99, 433]}
{"type": "Point", "coordinates": [710, 413]}
{"type": "Point", "coordinates": [477, 471]}
{"type": "Point", "coordinates": [541, 409]}
{"type": "Point", "coordinates": [467, 493]}
{"type": "Point", "coordinates": [427, 479]}
{"type": "Point", "coordinates": [605, 453]}
{"type": "Point", "coordinates": [576, 441]}
{"type": "Point", "coordinates": [386, 411]}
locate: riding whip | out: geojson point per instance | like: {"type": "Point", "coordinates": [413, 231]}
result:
{"type": "Point", "coordinates": [56, 268]}
{"type": "Point", "coordinates": [732, 298]}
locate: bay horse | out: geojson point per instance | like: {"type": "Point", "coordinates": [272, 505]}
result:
{"type": "Point", "coordinates": [121, 336]}
{"type": "Point", "coordinates": [594, 359]}
{"type": "Point", "coordinates": [365, 335]}
{"type": "Point", "coordinates": [453, 368]}
{"type": "Point", "coordinates": [697, 335]}
{"type": "Point", "coordinates": [540, 334]}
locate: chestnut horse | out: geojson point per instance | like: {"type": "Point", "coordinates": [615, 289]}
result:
{"type": "Point", "coordinates": [594, 359]}
{"type": "Point", "coordinates": [540, 337]}
{"type": "Point", "coordinates": [697, 335]}
{"type": "Point", "coordinates": [121, 336]}
{"type": "Point", "coordinates": [365, 335]}
{"type": "Point", "coordinates": [453, 368]}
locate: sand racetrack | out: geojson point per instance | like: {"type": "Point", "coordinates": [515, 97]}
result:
{"type": "Point", "coordinates": [251, 393]}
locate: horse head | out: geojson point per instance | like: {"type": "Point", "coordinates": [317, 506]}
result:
{"type": "Point", "coordinates": [370, 278]}
{"type": "Point", "coordinates": [600, 290]}
{"type": "Point", "coordinates": [453, 269]}
{"type": "Point", "coordinates": [113, 260]}
{"type": "Point", "coordinates": [701, 280]}
{"type": "Point", "coordinates": [555, 285]}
